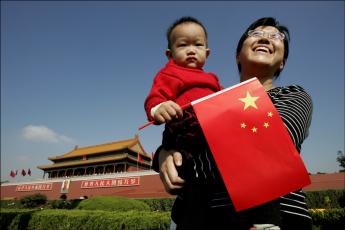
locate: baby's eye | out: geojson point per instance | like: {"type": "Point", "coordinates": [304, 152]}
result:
{"type": "Point", "coordinates": [199, 44]}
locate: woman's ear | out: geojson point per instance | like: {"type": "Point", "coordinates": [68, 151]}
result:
{"type": "Point", "coordinates": [168, 53]}
{"type": "Point", "coordinates": [281, 67]}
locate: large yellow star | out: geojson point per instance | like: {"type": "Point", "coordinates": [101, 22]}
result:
{"type": "Point", "coordinates": [249, 101]}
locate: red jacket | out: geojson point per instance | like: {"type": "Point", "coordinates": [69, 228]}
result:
{"type": "Point", "coordinates": [181, 85]}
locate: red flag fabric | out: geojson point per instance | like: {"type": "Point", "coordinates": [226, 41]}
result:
{"type": "Point", "coordinates": [12, 174]}
{"type": "Point", "coordinates": [23, 172]}
{"type": "Point", "coordinates": [29, 172]}
{"type": "Point", "coordinates": [250, 144]}
{"type": "Point", "coordinates": [139, 158]}
{"type": "Point", "coordinates": [152, 156]}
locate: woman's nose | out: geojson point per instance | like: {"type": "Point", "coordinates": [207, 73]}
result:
{"type": "Point", "coordinates": [264, 40]}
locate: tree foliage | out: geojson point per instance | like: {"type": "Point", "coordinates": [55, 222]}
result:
{"type": "Point", "coordinates": [341, 160]}
{"type": "Point", "coordinates": [32, 201]}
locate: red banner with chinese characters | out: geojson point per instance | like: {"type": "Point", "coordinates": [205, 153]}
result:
{"type": "Point", "coordinates": [250, 144]}
{"type": "Point", "coordinates": [34, 187]}
{"type": "Point", "coordinates": [107, 183]}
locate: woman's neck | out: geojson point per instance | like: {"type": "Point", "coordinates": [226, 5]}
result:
{"type": "Point", "coordinates": [266, 81]}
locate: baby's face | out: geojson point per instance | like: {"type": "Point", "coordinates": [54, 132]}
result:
{"type": "Point", "coordinates": [189, 46]}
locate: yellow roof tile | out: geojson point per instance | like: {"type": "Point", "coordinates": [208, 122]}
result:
{"type": "Point", "coordinates": [133, 144]}
{"type": "Point", "coordinates": [82, 162]}
{"type": "Point", "coordinates": [88, 162]}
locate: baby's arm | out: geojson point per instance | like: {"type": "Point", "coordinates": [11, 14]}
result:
{"type": "Point", "coordinates": [166, 111]}
{"type": "Point", "coordinates": [165, 88]}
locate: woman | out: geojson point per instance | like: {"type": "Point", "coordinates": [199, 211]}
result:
{"type": "Point", "coordinates": [262, 52]}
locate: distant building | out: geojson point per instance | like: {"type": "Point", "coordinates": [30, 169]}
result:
{"type": "Point", "coordinates": [120, 156]}
{"type": "Point", "coordinates": [121, 168]}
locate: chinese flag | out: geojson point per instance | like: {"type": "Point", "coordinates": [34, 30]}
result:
{"type": "Point", "coordinates": [250, 144]}
{"type": "Point", "coordinates": [139, 158]}
{"type": "Point", "coordinates": [12, 174]}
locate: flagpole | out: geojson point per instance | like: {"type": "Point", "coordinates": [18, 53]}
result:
{"type": "Point", "coordinates": [151, 161]}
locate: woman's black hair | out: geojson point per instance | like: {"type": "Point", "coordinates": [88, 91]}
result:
{"type": "Point", "coordinates": [267, 21]}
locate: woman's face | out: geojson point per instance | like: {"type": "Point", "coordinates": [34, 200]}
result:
{"type": "Point", "coordinates": [262, 49]}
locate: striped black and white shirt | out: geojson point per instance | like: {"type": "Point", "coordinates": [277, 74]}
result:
{"type": "Point", "coordinates": [295, 107]}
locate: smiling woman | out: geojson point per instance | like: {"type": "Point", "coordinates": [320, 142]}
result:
{"type": "Point", "coordinates": [203, 202]}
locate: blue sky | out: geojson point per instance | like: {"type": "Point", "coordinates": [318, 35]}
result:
{"type": "Point", "coordinates": [77, 73]}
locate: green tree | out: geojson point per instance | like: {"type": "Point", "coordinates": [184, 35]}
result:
{"type": "Point", "coordinates": [341, 160]}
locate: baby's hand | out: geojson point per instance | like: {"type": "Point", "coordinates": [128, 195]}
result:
{"type": "Point", "coordinates": [167, 111]}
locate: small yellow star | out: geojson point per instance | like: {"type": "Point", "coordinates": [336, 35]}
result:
{"type": "Point", "coordinates": [270, 114]}
{"type": "Point", "coordinates": [243, 125]}
{"type": "Point", "coordinates": [266, 125]}
{"type": "Point", "coordinates": [249, 101]}
{"type": "Point", "coordinates": [254, 129]}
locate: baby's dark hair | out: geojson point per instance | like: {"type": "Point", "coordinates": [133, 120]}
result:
{"type": "Point", "coordinates": [267, 21]}
{"type": "Point", "coordinates": [180, 21]}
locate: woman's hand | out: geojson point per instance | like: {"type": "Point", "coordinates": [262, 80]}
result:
{"type": "Point", "coordinates": [168, 161]}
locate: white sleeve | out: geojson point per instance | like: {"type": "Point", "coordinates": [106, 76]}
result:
{"type": "Point", "coordinates": [154, 109]}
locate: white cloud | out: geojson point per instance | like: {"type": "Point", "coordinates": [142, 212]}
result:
{"type": "Point", "coordinates": [23, 158]}
{"type": "Point", "coordinates": [42, 133]}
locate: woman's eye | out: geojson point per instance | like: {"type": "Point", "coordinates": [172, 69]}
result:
{"type": "Point", "coordinates": [257, 34]}
{"type": "Point", "coordinates": [275, 36]}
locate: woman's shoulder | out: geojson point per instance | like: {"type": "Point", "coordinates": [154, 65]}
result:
{"type": "Point", "coordinates": [289, 90]}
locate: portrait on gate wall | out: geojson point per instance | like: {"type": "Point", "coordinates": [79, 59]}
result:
{"type": "Point", "coordinates": [65, 186]}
